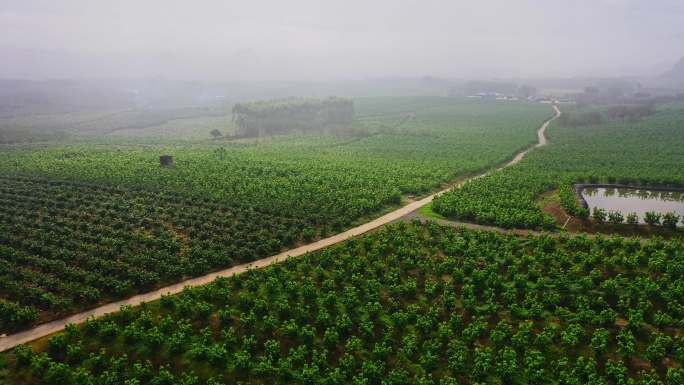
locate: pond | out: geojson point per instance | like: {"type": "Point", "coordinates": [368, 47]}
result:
{"type": "Point", "coordinates": [634, 200]}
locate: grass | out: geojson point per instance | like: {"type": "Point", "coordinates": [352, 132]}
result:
{"type": "Point", "coordinates": [427, 212]}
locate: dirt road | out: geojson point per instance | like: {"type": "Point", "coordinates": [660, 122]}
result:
{"type": "Point", "coordinates": [39, 331]}
{"type": "Point", "coordinates": [541, 140]}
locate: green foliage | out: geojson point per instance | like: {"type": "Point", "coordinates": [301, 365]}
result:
{"type": "Point", "coordinates": [599, 341]}
{"type": "Point", "coordinates": [652, 218]}
{"type": "Point", "coordinates": [670, 220]}
{"type": "Point", "coordinates": [14, 316]}
{"type": "Point", "coordinates": [280, 116]}
{"type": "Point", "coordinates": [626, 343]}
{"type": "Point", "coordinates": [89, 240]}
{"type": "Point", "coordinates": [98, 223]}
{"type": "Point", "coordinates": [632, 219]}
{"type": "Point", "coordinates": [521, 210]}
{"type": "Point", "coordinates": [572, 335]}
{"type": "Point", "coordinates": [658, 347]}
{"type": "Point", "coordinates": [598, 214]}
{"type": "Point", "coordinates": [11, 135]}
{"type": "Point", "coordinates": [343, 315]}
{"type": "Point", "coordinates": [158, 124]}
{"type": "Point", "coordinates": [568, 200]}
{"type": "Point", "coordinates": [580, 118]}
{"type": "Point", "coordinates": [615, 217]}
{"type": "Point", "coordinates": [575, 154]}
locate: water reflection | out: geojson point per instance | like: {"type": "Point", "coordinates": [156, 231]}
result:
{"type": "Point", "coordinates": [633, 200]}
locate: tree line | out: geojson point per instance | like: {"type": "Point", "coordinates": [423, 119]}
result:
{"type": "Point", "coordinates": [280, 116]}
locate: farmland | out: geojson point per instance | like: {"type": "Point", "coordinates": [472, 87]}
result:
{"type": "Point", "coordinates": [340, 193]}
{"type": "Point", "coordinates": [409, 304]}
{"type": "Point", "coordinates": [643, 152]}
{"type": "Point", "coordinates": [325, 179]}
{"type": "Point", "coordinates": [67, 246]}
{"type": "Point", "coordinates": [176, 130]}
{"type": "Point", "coordinates": [94, 125]}
{"type": "Point", "coordinates": [88, 222]}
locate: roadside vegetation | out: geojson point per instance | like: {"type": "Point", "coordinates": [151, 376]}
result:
{"type": "Point", "coordinates": [409, 304]}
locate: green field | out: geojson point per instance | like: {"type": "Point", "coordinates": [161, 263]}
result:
{"type": "Point", "coordinates": [146, 124]}
{"type": "Point", "coordinates": [94, 221]}
{"type": "Point", "coordinates": [409, 304]}
{"type": "Point", "coordinates": [341, 193]}
{"type": "Point", "coordinates": [185, 129]}
{"type": "Point", "coordinates": [643, 152]}
{"type": "Point", "coordinates": [91, 219]}
{"type": "Point", "coordinates": [325, 178]}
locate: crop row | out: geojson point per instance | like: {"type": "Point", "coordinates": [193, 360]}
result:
{"type": "Point", "coordinates": [653, 218]}
{"type": "Point", "coordinates": [325, 179]}
{"type": "Point", "coordinates": [646, 152]}
{"type": "Point", "coordinates": [83, 224]}
{"type": "Point", "coordinates": [66, 246]}
{"type": "Point", "coordinates": [409, 304]}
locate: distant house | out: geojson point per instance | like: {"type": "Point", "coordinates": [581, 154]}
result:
{"type": "Point", "coordinates": [487, 95]}
{"type": "Point", "coordinates": [493, 96]}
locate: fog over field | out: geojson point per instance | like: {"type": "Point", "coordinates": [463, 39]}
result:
{"type": "Point", "coordinates": [309, 40]}
{"type": "Point", "coordinates": [334, 192]}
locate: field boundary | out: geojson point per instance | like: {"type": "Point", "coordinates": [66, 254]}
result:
{"type": "Point", "coordinates": [10, 341]}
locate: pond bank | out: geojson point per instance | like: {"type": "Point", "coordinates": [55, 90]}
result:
{"type": "Point", "coordinates": [636, 203]}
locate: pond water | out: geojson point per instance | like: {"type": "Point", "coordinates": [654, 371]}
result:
{"type": "Point", "coordinates": [633, 200]}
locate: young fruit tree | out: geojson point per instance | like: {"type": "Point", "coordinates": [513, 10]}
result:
{"type": "Point", "coordinates": [652, 218]}
{"type": "Point", "coordinates": [632, 218]}
{"type": "Point", "coordinates": [615, 217]}
{"type": "Point", "coordinates": [599, 215]}
{"type": "Point", "coordinates": [670, 220]}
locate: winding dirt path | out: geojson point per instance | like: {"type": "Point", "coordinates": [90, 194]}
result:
{"type": "Point", "coordinates": [541, 140]}
{"type": "Point", "coordinates": [48, 328]}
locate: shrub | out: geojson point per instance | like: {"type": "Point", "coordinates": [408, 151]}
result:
{"type": "Point", "coordinates": [626, 343]}
{"type": "Point", "coordinates": [670, 220]}
{"type": "Point", "coordinates": [615, 217]}
{"type": "Point", "coordinates": [572, 335]}
{"type": "Point", "coordinates": [652, 218]}
{"type": "Point", "coordinates": [599, 214]}
{"type": "Point", "coordinates": [14, 316]}
{"type": "Point", "coordinates": [57, 346]}
{"type": "Point", "coordinates": [58, 373]}
{"type": "Point", "coordinates": [632, 218]}
{"type": "Point", "coordinates": [658, 347]}
{"type": "Point", "coordinates": [24, 354]}
{"type": "Point", "coordinates": [599, 342]}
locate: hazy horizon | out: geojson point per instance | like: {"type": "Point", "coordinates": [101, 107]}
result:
{"type": "Point", "coordinates": [306, 40]}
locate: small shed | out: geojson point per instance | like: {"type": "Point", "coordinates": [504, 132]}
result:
{"type": "Point", "coordinates": [166, 160]}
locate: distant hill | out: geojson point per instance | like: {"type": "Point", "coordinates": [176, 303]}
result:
{"type": "Point", "coordinates": [675, 76]}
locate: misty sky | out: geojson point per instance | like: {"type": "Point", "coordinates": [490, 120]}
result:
{"type": "Point", "coordinates": [337, 39]}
